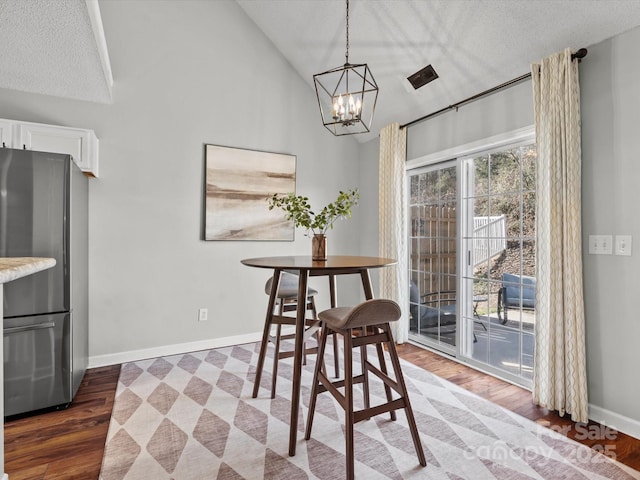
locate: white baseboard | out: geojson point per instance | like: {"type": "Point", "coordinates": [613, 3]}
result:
{"type": "Point", "coordinates": [615, 420]}
{"type": "Point", "coordinates": [166, 350]}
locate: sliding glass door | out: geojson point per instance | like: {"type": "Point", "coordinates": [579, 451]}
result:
{"type": "Point", "coordinates": [499, 275]}
{"type": "Point", "coordinates": [472, 258]}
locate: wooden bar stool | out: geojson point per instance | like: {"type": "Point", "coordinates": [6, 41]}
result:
{"type": "Point", "coordinates": [372, 319]}
{"type": "Point", "coordinates": [287, 301]}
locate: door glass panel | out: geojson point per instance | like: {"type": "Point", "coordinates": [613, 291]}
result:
{"type": "Point", "coordinates": [499, 277]}
{"type": "Point", "coordinates": [434, 237]}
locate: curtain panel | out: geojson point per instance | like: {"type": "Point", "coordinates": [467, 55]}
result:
{"type": "Point", "coordinates": [392, 233]}
{"type": "Point", "coordinates": [559, 377]}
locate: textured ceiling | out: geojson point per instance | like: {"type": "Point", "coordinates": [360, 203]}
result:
{"type": "Point", "coordinates": [56, 47]}
{"type": "Point", "coordinates": [53, 48]}
{"type": "Point", "coordinates": [473, 45]}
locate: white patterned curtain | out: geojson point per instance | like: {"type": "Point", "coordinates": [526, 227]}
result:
{"type": "Point", "coordinates": [392, 220]}
{"type": "Point", "coordinates": [559, 378]}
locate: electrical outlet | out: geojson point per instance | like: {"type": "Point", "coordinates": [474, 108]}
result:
{"type": "Point", "coordinates": [600, 244]}
{"type": "Point", "coordinates": [203, 315]}
{"type": "Point", "coordinates": [623, 245]}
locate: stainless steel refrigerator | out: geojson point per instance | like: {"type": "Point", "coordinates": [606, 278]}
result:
{"type": "Point", "coordinates": [44, 213]}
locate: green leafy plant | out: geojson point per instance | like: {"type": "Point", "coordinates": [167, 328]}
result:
{"type": "Point", "coordinates": [297, 208]}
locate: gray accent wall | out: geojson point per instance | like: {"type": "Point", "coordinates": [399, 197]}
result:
{"type": "Point", "coordinates": [188, 73]}
{"type": "Point", "coordinates": [507, 110]}
{"type": "Point", "coordinates": [369, 174]}
{"type": "Point", "coordinates": [610, 109]}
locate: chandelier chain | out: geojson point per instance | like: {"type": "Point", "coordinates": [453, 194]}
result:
{"type": "Point", "coordinates": [346, 54]}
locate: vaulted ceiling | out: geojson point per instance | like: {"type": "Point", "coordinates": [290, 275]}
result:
{"type": "Point", "coordinates": [472, 44]}
{"type": "Point", "coordinates": [57, 48]}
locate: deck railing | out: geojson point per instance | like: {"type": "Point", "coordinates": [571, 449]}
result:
{"type": "Point", "coordinates": [489, 238]}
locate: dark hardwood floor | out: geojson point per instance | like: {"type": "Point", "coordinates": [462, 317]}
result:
{"type": "Point", "coordinates": [69, 444]}
{"type": "Point", "coordinates": [65, 444]}
{"type": "Point", "coordinates": [518, 400]}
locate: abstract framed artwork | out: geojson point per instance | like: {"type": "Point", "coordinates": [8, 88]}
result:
{"type": "Point", "coordinates": [237, 185]}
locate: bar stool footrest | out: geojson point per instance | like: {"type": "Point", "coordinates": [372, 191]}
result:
{"type": "Point", "coordinates": [367, 413]}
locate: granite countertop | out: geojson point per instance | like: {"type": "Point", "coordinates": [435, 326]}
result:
{"type": "Point", "coordinates": [12, 268]}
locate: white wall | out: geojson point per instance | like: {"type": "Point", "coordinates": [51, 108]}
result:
{"type": "Point", "coordinates": [187, 73]}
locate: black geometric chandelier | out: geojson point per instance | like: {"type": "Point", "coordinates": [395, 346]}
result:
{"type": "Point", "coordinates": [347, 96]}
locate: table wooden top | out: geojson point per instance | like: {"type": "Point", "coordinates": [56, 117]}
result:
{"type": "Point", "coordinates": [333, 262]}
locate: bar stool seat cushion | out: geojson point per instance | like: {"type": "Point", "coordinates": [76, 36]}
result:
{"type": "Point", "coordinates": [288, 288]}
{"type": "Point", "coordinates": [370, 312]}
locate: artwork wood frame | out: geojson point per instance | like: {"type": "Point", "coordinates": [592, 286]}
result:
{"type": "Point", "coordinates": [237, 184]}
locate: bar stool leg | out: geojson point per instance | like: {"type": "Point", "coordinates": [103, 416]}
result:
{"type": "Point", "coordinates": [318, 333]}
{"type": "Point", "coordinates": [266, 332]}
{"type": "Point", "coordinates": [275, 360]}
{"type": "Point", "coordinates": [348, 394]}
{"type": "Point", "coordinates": [403, 388]}
{"type": "Point", "coordinates": [383, 369]}
{"type": "Point", "coordinates": [276, 353]}
{"type": "Point", "coordinates": [309, 302]}
{"type": "Point", "coordinates": [316, 379]}
{"type": "Point", "coordinates": [334, 303]}
{"type": "Point", "coordinates": [365, 371]}
{"type": "Point", "coordinates": [336, 361]}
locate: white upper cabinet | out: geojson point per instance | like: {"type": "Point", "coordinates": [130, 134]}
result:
{"type": "Point", "coordinates": [80, 143]}
{"type": "Point", "coordinates": [6, 138]}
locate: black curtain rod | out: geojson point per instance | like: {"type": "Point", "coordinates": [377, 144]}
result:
{"type": "Point", "coordinates": [579, 55]}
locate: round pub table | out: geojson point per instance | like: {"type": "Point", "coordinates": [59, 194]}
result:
{"type": "Point", "coordinates": [306, 267]}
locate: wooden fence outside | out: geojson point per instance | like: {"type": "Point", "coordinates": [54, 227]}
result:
{"type": "Point", "coordinates": [433, 248]}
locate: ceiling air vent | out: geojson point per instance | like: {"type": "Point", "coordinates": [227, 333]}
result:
{"type": "Point", "coordinates": [422, 77]}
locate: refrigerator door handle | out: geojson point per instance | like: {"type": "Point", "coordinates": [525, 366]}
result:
{"type": "Point", "coordinates": [27, 328]}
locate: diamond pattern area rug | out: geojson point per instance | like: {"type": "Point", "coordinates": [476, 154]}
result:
{"type": "Point", "coordinates": [192, 417]}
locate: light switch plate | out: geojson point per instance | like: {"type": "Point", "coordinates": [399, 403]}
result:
{"type": "Point", "coordinates": [600, 244]}
{"type": "Point", "coordinates": [623, 245]}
